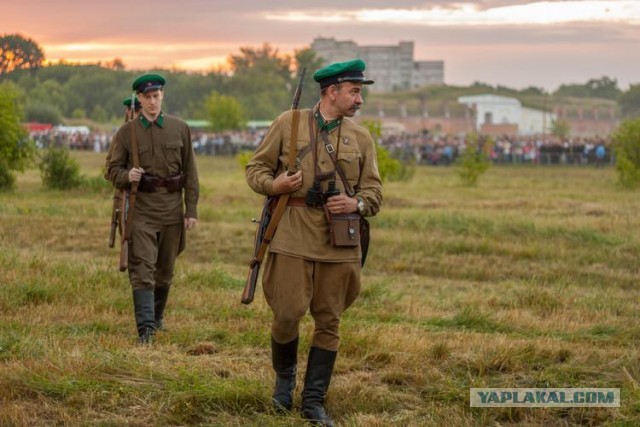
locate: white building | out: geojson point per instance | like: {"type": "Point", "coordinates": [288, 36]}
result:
{"type": "Point", "coordinates": [391, 67]}
{"type": "Point", "coordinates": [502, 110]}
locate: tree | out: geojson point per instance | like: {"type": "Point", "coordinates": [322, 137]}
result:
{"type": "Point", "coordinates": [225, 112]}
{"type": "Point", "coordinates": [261, 82]}
{"type": "Point", "coordinates": [307, 58]}
{"type": "Point", "coordinates": [15, 149]}
{"type": "Point", "coordinates": [604, 87]}
{"type": "Point", "coordinates": [390, 169]}
{"type": "Point", "coordinates": [629, 101]}
{"type": "Point", "coordinates": [626, 145]}
{"type": "Point", "coordinates": [560, 128]}
{"type": "Point", "coordinates": [48, 92]}
{"type": "Point", "coordinates": [42, 113]}
{"type": "Point", "coordinates": [18, 53]}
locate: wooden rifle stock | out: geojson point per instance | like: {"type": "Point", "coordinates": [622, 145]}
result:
{"type": "Point", "coordinates": [270, 216]}
{"type": "Point", "coordinates": [115, 218]}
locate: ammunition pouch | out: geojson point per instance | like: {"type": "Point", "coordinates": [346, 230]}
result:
{"type": "Point", "coordinates": [150, 183]}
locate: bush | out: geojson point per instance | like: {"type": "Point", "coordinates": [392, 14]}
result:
{"type": "Point", "coordinates": [59, 171]}
{"type": "Point", "coordinates": [7, 179]}
{"type": "Point", "coordinates": [474, 161]}
{"type": "Point", "coordinates": [97, 184]}
{"type": "Point", "coordinates": [243, 158]}
{"type": "Point", "coordinates": [626, 145]}
{"type": "Point", "coordinates": [389, 168]}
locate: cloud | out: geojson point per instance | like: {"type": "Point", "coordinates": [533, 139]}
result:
{"type": "Point", "coordinates": [482, 42]}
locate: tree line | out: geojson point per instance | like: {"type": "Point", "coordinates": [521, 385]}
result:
{"type": "Point", "coordinates": [257, 86]}
{"type": "Point", "coordinates": [260, 80]}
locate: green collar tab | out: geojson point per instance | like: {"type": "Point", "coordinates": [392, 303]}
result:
{"type": "Point", "coordinates": [324, 125]}
{"type": "Point", "coordinates": [146, 123]}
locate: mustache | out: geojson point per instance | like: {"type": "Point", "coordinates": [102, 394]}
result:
{"type": "Point", "coordinates": [356, 107]}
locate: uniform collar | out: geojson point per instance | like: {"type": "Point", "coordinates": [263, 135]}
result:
{"type": "Point", "coordinates": [325, 125]}
{"type": "Point", "coordinates": [146, 123]}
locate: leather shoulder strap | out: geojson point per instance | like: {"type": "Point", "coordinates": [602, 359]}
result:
{"type": "Point", "coordinates": [332, 155]}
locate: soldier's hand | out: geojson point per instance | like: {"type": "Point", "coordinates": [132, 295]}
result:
{"type": "Point", "coordinates": [135, 174]}
{"type": "Point", "coordinates": [342, 204]}
{"type": "Point", "coordinates": [190, 223]}
{"type": "Point", "coordinates": [285, 183]}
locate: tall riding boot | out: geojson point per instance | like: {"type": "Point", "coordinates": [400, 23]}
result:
{"type": "Point", "coordinates": [285, 360]}
{"type": "Point", "coordinates": [161, 295]}
{"type": "Point", "coordinates": [143, 304]}
{"type": "Point", "coordinates": [316, 383]}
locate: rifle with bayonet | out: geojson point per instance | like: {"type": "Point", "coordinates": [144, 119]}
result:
{"type": "Point", "coordinates": [273, 207]}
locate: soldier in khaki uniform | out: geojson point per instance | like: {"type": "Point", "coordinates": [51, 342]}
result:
{"type": "Point", "coordinates": [304, 271]}
{"type": "Point", "coordinates": [161, 214]}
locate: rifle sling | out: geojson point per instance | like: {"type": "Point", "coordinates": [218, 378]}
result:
{"type": "Point", "coordinates": [332, 155]}
{"type": "Point", "coordinates": [284, 198]}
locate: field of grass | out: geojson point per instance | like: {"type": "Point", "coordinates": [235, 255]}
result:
{"type": "Point", "coordinates": [529, 280]}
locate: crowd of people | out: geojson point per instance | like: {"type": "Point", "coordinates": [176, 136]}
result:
{"type": "Point", "coordinates": [425, 149]}
{"type": "Point", "coordinates": [505, 149]}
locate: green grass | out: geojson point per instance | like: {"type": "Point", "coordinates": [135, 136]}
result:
{"type": "Point", "coordinates": [528, 280]}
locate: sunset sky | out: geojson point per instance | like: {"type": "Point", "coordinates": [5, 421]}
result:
{"type": "Point", "coordinates": [516, 43]}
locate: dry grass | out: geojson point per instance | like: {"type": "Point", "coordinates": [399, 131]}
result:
{"type": "Point", "coordinates": [530, 280]}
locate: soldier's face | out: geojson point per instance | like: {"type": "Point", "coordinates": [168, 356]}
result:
{"type": "Point", "coordinates": [151, 102]}
{"type": "Point", "coordinates": [348, 98]}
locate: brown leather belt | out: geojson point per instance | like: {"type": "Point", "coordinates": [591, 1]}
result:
{"type": "Point", "coordinates": [298, 202]}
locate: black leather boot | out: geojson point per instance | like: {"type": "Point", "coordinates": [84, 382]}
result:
{"type": "Point", "coordinates": [316, 383]}
{"type": "Point", "coordinates": [143, 305]}
{"type": "Point", "coordinates": [285, 361]}
{"type": "Point", "coordinates": [161, 295]}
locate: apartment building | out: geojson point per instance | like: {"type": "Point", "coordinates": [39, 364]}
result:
{"type": "Point", "coordinates": [392, 67]}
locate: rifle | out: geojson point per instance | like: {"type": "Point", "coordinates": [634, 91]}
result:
{"type": "Point", "coordinates": [271, 215]}
{"type": "Point", "coordinates": [115, 218]}
{"type": "Point", "coordinates": [128, 203]}
{"type": "Point", "coordinates": [116, 210]}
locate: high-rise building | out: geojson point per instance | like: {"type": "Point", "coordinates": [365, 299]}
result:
{"type": "Point", "coordinates": [392, 67]}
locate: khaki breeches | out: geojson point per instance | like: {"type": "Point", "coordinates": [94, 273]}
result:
{"type": "Point", "coordinates": [293, 285]}
{"type": "Point", "coordinates": [152, 254]}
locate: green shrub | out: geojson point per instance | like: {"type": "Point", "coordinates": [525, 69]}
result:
{"type": "Point", "coordinates": [97, 184]}
{"type": "Point", "coordinates": [243, 158]}
{"type": "Point", "coordinates": [474, 161]}
{"type": "Point", "coordinates": [389, 168]}
{"type": "Point", "coordinates": [60, 171]}
{"type": "Point", "coordinates": [626, 145]}
{"type": "Point", "coordinates": [7, 179]}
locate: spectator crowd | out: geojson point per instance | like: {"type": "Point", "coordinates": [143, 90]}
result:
{"type": "Point", "coordinates": [423, 149]}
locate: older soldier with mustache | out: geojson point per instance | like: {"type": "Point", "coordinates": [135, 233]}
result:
{"type": "Point", "coordinates": [307, 268]}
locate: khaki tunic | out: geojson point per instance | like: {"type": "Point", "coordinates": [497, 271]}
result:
{"type": "Point", "coordinates": [157, 235]}
{"type": "Point", "coordinates": [303, 232]}
{"type": "Point", "coordinates": [164, 151]}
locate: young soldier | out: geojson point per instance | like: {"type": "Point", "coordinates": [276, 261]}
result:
{"type": "Point", "coordinates": [167, 170]}
{"type": "Point", "coordinates": [304, 270]}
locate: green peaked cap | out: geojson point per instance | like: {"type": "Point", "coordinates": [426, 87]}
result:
{"type": "Point", "coordinates": [127, 102]}
{"type": "Point", "coordinates": [338, 72]}
{"type": "Point", "coordinates": [147, 82]}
